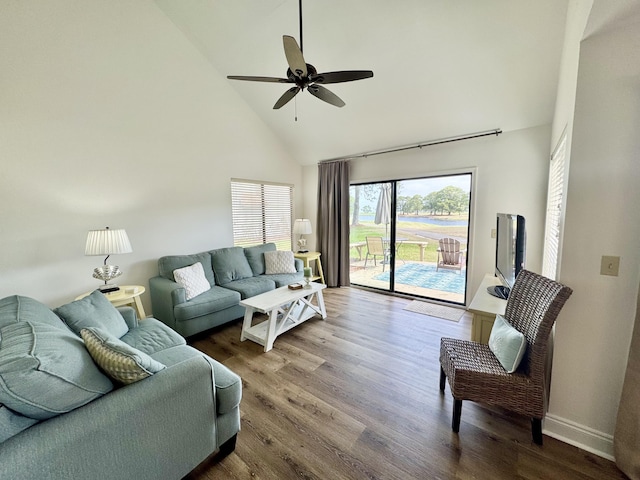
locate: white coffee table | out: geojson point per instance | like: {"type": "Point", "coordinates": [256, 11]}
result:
{"type": "Point", "coordinates": [286, 308]}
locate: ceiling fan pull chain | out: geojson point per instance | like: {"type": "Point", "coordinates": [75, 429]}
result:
{"type": "Point", "coordinates": [295, 100]}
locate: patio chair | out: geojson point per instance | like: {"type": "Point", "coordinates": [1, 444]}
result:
{"type": "Point", "coordinates": [474, 372]}
{"type": "Point", "coordinates": [376, 248]}
{"type": "Point", "coordinates": [450, 256]}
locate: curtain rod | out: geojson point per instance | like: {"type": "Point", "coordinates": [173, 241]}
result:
{"type": "Point", "coordinates": [468, 136]}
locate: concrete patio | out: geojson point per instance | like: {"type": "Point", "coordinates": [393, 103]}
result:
{"type": "Point", "coordinates": [366, 277]}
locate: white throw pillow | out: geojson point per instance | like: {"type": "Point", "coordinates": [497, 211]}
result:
{"type": "Point", "coordinates": [280, 261]}
{"type": "Point", "coordinates": [507, 344]}
{"type": "Point", "coordinates": [192, 279]}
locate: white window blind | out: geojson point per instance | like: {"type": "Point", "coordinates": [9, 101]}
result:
{"type": "Point", "coordinates": [262, 212]}
{"type": "Point", "coordinates": [555, 209]}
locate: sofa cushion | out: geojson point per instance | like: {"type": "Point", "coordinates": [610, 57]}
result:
{"type": "Point", "coordinates": [12, 423]}
{"type": "Point", "coordinates": [255, 256]}
{"type": "Point", "coordinates": [284, 279]}
{"type": "Point", "coordinates": [94, 310]}
{"type": "Point", "coordinates": [16, 309]}
{"type": "Point", "coordinates": [250, 287]}
{"type": "Point", "coordinates": [120, 361]}
{"type": "Point", "coordinates": [192, 279]}
{"type": "Point", "coordinates": [215, 300]}
{"type": "Point", "coordinates": [230, 264]}
{"type": "Point", "coordinates": [152, 336]}
{"type": "Point", "coordinates": [46, 371]}
{"type": "Point", "coordinates": [280, 261]}
{"type": "Point", "coordinates": [166, 265]}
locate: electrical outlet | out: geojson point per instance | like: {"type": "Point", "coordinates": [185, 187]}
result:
{"type": "Point", "coordinates": [494, 232]}
{"type": "Point", "coordinates": [609, 265]}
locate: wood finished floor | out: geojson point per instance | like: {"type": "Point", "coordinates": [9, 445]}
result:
{"type": "Point", "coordinates": [356, 397]}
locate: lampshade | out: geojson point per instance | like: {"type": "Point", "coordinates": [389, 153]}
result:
{"type": "Point", "coordinates": [107, 242]}
{"type": "Point", "coordinates": [302, 226]}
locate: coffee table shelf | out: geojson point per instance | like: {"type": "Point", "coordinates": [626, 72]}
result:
{"type": "Point", "coordinates": [286, 309]}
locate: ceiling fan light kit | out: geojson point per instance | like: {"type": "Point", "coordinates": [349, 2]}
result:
{"type": "Point", "coordinates": [305, 75]}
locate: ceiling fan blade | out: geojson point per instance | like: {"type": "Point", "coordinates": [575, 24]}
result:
{"type": "Point", "coordinates": [288, 95]}
{"type": "Point", "coordinates": [343, 76]}
{"type": "Point", "coordinates": [294, 56]}
{"type": "Point", "coordinates": [325, 95]}
{"type": "Point", "coordinates": [259, 79]}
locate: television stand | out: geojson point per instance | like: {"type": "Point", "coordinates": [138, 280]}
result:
{"type": "Point", "coordinates": [484, 308]}
{"type": "Point", "coordinates": [499, 291]}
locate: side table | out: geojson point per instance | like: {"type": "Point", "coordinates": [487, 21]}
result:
{"type": "Point", "coordinates": [127, 295]}
{"type": "Point", "coordinates": [310, 257]}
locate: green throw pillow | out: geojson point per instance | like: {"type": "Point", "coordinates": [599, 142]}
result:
{"type": "Point", "coordinates": [118, 360]}
{"type": "Point", "coordinates": [507, 344]}
{"type": "Point", "coordinates": [94, 310]}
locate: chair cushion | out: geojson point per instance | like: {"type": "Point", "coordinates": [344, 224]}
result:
{"type": "Point", "coordinates": [507, 344]}
{"type": "Point", "coordinates": [94, 310]}
{"type": "Point", "coordinates": [46, 371]}
{"type": "Point", "coordinates": [120, 361]}
{"type": "Point", "coordinates": [280, 261]}
{"type": "Point", "coordinates": [230, 264]}
{"type": "Point", "coordinates": [255, 256]}
{"type": "Point", "coordinates": [192, 279]}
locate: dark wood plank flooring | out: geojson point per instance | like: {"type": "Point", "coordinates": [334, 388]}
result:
{"type": "Point", "coordinates": [356, 397]}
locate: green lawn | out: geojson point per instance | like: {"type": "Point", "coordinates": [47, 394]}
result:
{"type": "Point", "coordinates": [412, 231]}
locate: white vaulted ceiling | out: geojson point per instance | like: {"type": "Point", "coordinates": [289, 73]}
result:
{"type": "Point", "coordinates": [441, 68]}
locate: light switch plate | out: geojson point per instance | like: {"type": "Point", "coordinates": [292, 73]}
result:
{"type": "Point", "coordinates": [609, 265]}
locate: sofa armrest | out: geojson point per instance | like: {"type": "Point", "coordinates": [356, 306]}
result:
{"type": "Point", "coordinates": [130, 317]}
{"type": "Point", "coordinates": [171, 414]}
{"type": "Point", "coordinates": [165, 294]}
{"type": "Point", "coordinates": [299, 264]}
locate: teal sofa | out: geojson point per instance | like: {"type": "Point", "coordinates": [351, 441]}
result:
{"type": "Point", "coordinates": [234, 273]}
{"type": "Point", "coordinates": [62, 417]}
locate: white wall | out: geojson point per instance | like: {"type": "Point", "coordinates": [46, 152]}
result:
{"type": "Point", "coordinates": [593, 334]}
{"type": "Point", "coordinates": [110, 117]}
{"type": "Point", "coordinates": [510, 173]}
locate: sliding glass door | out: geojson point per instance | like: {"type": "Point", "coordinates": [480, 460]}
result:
{"type": "Point", "coordinates": [411, 236]}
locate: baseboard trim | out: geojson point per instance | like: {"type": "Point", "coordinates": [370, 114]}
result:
{"type": "Point", "coordinates": [585, 438]}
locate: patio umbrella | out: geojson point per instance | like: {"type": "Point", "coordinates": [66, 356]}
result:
{"type": "Point", "coordinates": [383, 208]}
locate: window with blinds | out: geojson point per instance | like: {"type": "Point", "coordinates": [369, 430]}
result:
{"type": "Point", "coordinates": [555, 210]}
{"type": "Point", "coordinates": [262, 212]}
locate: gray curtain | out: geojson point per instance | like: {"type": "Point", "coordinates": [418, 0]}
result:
{"type": "Point", "coordinates": [626, 438]}
{"type": "Point", "coordinates": [333, 221]}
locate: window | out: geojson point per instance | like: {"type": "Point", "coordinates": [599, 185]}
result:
{"type": "Point", "coordinates": [262, 212]}
{"type": "Point", "coordinates": [555, 209]}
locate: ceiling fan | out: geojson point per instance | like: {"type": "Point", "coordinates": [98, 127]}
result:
{"type": "Point", "coordinates": [305, 75]}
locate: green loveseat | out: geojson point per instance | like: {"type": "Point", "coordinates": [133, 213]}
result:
{"type": "Point", "coordinates": [63, 417]}
{"type": "Point", "coordinates": [233, 273]}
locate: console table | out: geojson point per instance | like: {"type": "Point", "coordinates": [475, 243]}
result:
{"type": "Point", "coordinates": [484, 308]}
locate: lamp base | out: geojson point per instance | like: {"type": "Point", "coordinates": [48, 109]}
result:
{"type": "Point", "coordinates": [303, 251]}
{"type": "Point", "coordinates": [108, 288]}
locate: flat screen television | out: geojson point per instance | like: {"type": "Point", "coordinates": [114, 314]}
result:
{"type": "Point", "coordinates": [511, 241]}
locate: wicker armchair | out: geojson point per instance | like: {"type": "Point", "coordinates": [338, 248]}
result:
{"type": "Point", "coordinates": [475, 374]}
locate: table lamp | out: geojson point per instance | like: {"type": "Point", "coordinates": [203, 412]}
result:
{"type": "Point", "coordinates": [302, 227]}
{"type": "Point", "coordinates": [107, 242]}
